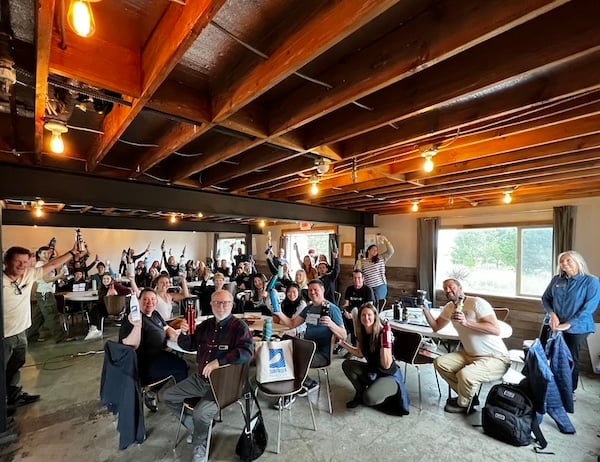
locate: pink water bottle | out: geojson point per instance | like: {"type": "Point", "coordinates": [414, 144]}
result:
{"type": "Point", "coordinates": [386, 338]}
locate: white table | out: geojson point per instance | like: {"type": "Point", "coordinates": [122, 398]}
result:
{"type": "Point", "coordinates": [84, 296]}
{"type": "Point", "coordinates": [447, 333]}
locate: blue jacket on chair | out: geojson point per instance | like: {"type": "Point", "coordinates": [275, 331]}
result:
{"type": "Point", "coordinates": [121, 393]}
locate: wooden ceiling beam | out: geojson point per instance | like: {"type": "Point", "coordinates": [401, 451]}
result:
{"type": "Point", "coordinates": [44, 21]}
{"type": "Point", "coordinates": [280, 172]}
{"type": "Point", "coordinates": [334, 22]}
{"type": "Point", "coordinates": [437, 34]}
{"type": "Point", "coordinates": [172, 141]}
{"type": "Point", "coordinates": [212, 157]}
{"type": "Point", "coordinates": [560, 153]}
{"type": "Point", "coordinates": [573, 26]}
{"type": "Point", "coordinates": [560, 83]}
{"type": "Point", "coordinates": [471, 184]}
{"type": "Point", "coordinates": [249, 163]}
{"type": "Point", "coordinates": [175, 33]}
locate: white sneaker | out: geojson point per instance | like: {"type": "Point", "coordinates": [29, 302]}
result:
{"type": "Point", "coordinates": [189, 439]}
{"type": "Point", "coordinates": [93, 334]}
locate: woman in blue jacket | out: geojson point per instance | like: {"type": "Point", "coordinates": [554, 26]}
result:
{"type": "Point", "coordinates": [570, 301]}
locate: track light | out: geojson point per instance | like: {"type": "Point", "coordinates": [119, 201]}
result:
{"type": "Point", "coordinates": [57, 128]}
{"type": "Point", "coordinates": [81, 18]}
{"type": "Point", "coordinates": [428, 155]}
{"type": "Point", "coordinates": [507, 199]}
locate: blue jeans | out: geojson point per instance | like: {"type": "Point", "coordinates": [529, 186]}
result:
{"type": "Point", "coordinates": [380, 292]}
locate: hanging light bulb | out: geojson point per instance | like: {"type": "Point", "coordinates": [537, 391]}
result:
{"type": "Point", "coordinates": [507, 199]}
{"type": "Point", "coordinates": [428, 155]}
{"type": "Point", "coordinates": [314, 189]}
{"type": "Point", "coordinates": [261, 223]}
{"type": "Point", "coordinates": [81, 17]}
{"type": "Point", "coordinates": [38, 210]}
{"type": "Point", "coordinates": [415, 206]}
{"type": "Point", "coordinates": [173, 218]}
{"type": "Point", "coordinates": [200, 214]}
{"type": "Point", "coordinates": [57, 128]}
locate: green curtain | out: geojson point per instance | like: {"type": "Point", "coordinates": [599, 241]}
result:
{"type": "Point", "coordinates": [563, 219]}
{"type": "Point", "coordinates": [427, 237]}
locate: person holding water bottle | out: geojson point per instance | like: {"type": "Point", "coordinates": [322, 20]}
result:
{"type": "Point", "coordinates": [378, 380]}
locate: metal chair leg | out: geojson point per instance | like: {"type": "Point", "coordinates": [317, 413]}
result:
{"type": "Point", "coordinates": [279, 424]}
{"type": "Point", "coordinates": [179, 426]}
{"type": "Point", "coordinates": [208, 440]}
{"type": "Point", "coordinates": [419, 381]}
{"type": "Point", "coordinates": [328, 390]}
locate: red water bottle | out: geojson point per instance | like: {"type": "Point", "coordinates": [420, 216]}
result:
{"type": "Point", "coordinates": [386, 338]}
{"type": "Point", "coordinates": [191, 319]}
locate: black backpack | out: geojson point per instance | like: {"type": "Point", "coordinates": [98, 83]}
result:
{"type": "Point", "coordinates": [509, 416]}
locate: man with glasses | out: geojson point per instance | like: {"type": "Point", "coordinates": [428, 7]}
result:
{"type": "Point", "coordinates": [17, 281]}
{"type": "Point", "coordinates": [222, 339]}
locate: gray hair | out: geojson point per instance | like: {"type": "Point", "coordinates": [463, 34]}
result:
{"type": "Point", "coordinates": [577, 258]}
{"type": "Point", "coordinates": [456, 281]}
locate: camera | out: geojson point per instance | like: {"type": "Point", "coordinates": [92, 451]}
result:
{"type": "Point", "coordinates": [325, 310]}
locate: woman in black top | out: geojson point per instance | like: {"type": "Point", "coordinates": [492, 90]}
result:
{"type": "Point", "coordinates": [149, 338]}
{"type": "Point", "coordinates": [377, 379]}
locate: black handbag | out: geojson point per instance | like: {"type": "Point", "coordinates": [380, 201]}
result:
{"type": "Point", "coordinates": [253, 440]}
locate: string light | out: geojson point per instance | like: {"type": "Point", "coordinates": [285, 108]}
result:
{"type": "Point", "coordinates": [38, 210]}
{"type": "Point", "coordinates": [507, 199]}
{"type": "Point", "coordinates": [81, 18]}
{"type": "Point", "coordinates": [428, 155]}
{"type": "Point", "coordinates": [57, 128]}
{"type": "Point", "coordinates": [314, 181]}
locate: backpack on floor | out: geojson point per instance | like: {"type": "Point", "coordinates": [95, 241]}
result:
{"type": "Point", "coordinates": [509, 416]}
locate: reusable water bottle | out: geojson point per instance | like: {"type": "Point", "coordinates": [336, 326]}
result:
{"type": "Point", "coordinates": [268, 329]}
{"type": "Point", "coordinates": [397, 308]}
{"type": "Point", "coordinates": [134, 308]}
{"type": "Point", "coordinates": [190, 317]}
{"type": "Point", "coordinates": [386, 338]}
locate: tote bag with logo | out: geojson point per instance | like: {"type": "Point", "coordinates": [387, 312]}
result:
{"type": "Point", "coordinates": [274, 361]}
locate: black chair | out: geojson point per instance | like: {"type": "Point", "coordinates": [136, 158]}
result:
{"type": "Point", "coordinates": [67, 314]}
{"type": "Point", "coordinates": [304, 350]}
{"type": "Point", "coordinates": [406, 349]}
{"type": "Point", "coordinates": [227, 383]}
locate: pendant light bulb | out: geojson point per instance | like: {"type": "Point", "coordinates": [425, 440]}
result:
{"type": "Point", "coordinates": [314, 189]}
{"type": "Point", "coordinates": [81, 18]}
{"type": "Point", "coordinates": [428, 165]}
{"type": "Point", "coordinates": [415, 206]}
{"type": "Point", "coordinates": [507, 199]}
{"type": "Point", "coordinates": [173, 218]}
{"type": "Point", "coordinates": [57, 144]}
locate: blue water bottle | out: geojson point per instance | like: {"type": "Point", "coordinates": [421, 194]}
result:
{"type": "Point", "coordinates": [268, 329]}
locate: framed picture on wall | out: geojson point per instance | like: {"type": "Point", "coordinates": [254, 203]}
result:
{"type": "Point", "coordinates": [347, 249]}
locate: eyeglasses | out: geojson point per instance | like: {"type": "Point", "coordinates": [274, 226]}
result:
{"type": "Point", "coordinates": [18, 290]}
{"type": "Point", "coordinates": [220, 304]}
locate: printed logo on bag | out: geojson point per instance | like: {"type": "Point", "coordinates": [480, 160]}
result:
{"type": "Point", "coordinates": [509, 393]}
{"type": "Point", "coordinates": [277, 361]}
{"type": "Point", "coordinates": [500, 416]}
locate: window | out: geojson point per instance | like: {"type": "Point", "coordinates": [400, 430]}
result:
{"type": "Point", "coordinates": [318, 240]}
{"type": "Point", "coordinates": [227, 247]}
{"type": "Point", "coordinates": [508, 261]}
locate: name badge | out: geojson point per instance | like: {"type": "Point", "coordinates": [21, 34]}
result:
{"type": "Point", "coordinates": [224, 347]}
{"type": "Point", "coordinates": [313, 319]}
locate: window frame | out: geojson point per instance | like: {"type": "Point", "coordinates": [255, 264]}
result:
{"type": "Point", "coordinates": [520, 226]}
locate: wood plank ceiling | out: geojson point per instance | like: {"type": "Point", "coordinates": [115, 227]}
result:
{"type": "Point", "coordinates": [247, 97]}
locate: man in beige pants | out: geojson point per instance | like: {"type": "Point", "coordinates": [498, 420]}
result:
{"type": "Point", "coordinates": [483, 356]}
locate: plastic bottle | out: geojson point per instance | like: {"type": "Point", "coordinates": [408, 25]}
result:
{"type": "Point", "coordinates": [461, 304]}
{"type": "Point", "coordinates": [386, 338]}
{"type": "Point", "coordinates": [94, 284]}
{"type": "Point", "coordinates": [134, 308]}
{"type": "Point", "coordinates": [397, 309]}
{"type": "Point", "coordinates": [268, 329]}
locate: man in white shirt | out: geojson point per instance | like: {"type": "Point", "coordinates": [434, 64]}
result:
{"type": "Point", "coordinates": [483, 356]}
{"type": "Point", "coordinates": [45, 311]}
{"type": "Point", "coordinates": [17, 282]}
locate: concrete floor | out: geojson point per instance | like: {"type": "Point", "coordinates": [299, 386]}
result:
{"type": "Point", "coordinates": [69, 424]}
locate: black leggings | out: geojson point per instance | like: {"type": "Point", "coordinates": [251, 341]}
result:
{"type": "Point", "coordinates": [574, 342]}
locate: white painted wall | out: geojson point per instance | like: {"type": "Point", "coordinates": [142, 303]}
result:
{"type": "Point", "coordinates": [109, 243]}
{"type": "Point", "coordinates": [402, 229]}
